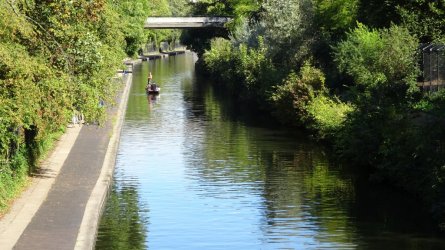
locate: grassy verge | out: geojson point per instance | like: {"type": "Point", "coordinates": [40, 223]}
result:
{"type": "Point", "coordinates": [14, 175]}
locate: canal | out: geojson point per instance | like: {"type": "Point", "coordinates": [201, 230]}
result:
{"type": "Point", "coordinates": [195, 172]}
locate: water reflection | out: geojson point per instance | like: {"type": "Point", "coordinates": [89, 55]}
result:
{"type": "Point", "coordinates": [123, 224]}
{"type": "Point", "coordinates": [152, 100]}
{"type": "Point", "coordinates": [214, 178]}
{"type": "Point", "coordinates": [286, 184]}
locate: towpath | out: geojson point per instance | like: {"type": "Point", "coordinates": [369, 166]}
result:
{"type": "Point", "coordinates": [61, 208]}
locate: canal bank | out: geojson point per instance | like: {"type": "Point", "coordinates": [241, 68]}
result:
{"type": "Point", "coordinates": [61, 207]}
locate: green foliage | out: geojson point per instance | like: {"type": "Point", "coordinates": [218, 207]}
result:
{"type": "Point", "coordinates": [405, 149]}
{"type": "Point", "coordinates": [387, 131]}
{"type": "Point", "coordinates": [435, 104]}
{"type": "Point", "coordinates": [383, 66]}
{"type": "Point", "coordinates": [234, 8]}
{"type": "Point", "coordinates": [179, 7]}
{"type": "Point", "coordinates": [75, 46]}
{"type": "Point", "coordinates": [132, 15]}
{"type": "Point", "coordinates": [388, 127]}
{"type": "Point", "coordinates": [123, 220]}
{"type": "Point", "coordinates": [379, 13]}
{"type": "Point", "coordinates": [246, 70]}
{"type": "Point", "coordinates": [335, 17]}
{"type": "Point", "coordinates": [375, 57]}
{"type": "Point", "coordinates": [291, 99]}
{"type": "Point", "coordinates": [424, 18]}
{"type": "Point", "coordinates": [256, 69]}
{"type": "Point", "coordinates": [12, 179]}
{"type": "Point", "coordinates": [288, 30]}
{"type": "Point", "coordinates": [220, 59]}
{"type": "Point", "coordinates": [199, 40]}
{"type": "Point", "coordinates": [327, 115]}
{"type": "Point", "coordinates": [58, 58]}
{"type": "Point", "coordinates": [302, 100]}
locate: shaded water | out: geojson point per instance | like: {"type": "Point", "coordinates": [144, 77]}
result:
{"type": "Point", "coordinates": [193, 172]}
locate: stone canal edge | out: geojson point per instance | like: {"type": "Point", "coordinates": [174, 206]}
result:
{"type": "Point", "coordinates": [25, 207]}
{"type": "Point", "coordinates": [88, 228]}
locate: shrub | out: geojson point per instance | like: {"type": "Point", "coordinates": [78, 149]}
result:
{"type": "Point", "coordinates": [221, 59]}
{"type": "Point", "coordinates": [328, 115]}
{"type": "Point", "coordinates": [57, 58]}
{"type": "Point", "coordinates": [247, 70]}
{"type": "Point", "coordinates": [290, 99]}
{"type": "Point", "coordinates": [379, 57]}
{"type": "Point", "coordinates": [257, 70]}
{"type": "Point", "coordinates": [382, 64]}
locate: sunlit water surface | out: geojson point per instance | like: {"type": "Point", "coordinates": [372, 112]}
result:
{"type": "Point", "coordinates": [193, 172]}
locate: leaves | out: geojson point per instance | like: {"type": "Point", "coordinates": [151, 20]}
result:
{"type": "Point", "coordinates": [57, 58]}
{"type": "Point", "coordinates": [374, 57]}
{"type": "Point", "coordinates": [288, 30]}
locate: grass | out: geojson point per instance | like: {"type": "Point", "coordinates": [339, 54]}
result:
{"type": "Point", "coordinates": [14, 175]}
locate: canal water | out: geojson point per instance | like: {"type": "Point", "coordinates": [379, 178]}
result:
{"type": "Point", "coordinates": [195, 172]}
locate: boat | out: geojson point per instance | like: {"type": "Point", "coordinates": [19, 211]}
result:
{"type": "Point", "coordinates": [152, 89]}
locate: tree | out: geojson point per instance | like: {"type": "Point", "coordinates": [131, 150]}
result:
{"type": "Point", "coordinates": [379, 57]}
{"type": "Point", "coordinates": [57, 59]}
{"type": "Point", "coordinates": [133, 15]}
{"type": "Point", "coordinates": [179, 7]}
{"type": "Point", "coordinates": [383, 65]}
{"type": "Point", "coordinates": [335, 18]}
{"type": "Point", "coordinates": [378, 13]}
{"type": "Point", "coordinates": [199, 40]}
{"type": "Point", "coordinates": [288, 30]}
{"type": "Point", "coordinates": [424, 18]}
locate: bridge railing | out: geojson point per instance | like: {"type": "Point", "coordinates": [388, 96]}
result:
{"type": "Point", "coordinates": [433, 67]}
{"type": "Point", "coordinates": [185, 22]}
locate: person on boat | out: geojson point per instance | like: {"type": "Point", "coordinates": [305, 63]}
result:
{"type": "Point", "coordinates": [149, 85]}
{"type": "Point", "coordinates": [150, 76]}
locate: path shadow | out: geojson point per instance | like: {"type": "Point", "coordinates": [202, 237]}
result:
{"type": "Point", "coordinates": [44, 173]}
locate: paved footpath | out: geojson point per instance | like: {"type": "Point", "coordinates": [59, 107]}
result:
{"type": "Point", "coordinates": [68, 217]}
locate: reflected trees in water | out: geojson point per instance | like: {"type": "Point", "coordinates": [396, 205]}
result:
{"type": "Point", "coordinates": [123, 224]}
{"type": "Point", "coordinates": [292, 179]}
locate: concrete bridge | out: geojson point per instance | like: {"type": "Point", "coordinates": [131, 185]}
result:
{"type": "Point", "coordinates": [185, 22]}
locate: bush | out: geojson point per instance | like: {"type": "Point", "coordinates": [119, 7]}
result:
{"type": "Point", "coordinates": [290, 99]}
{"type": "Point", "coordinates": [57, 58]}
{"type": "Point", "coordinates": [373, 57]}
{"type": "Point", "coordinates": [257, 71]}
{"type": "Point", "coordinates": [399, 136]}
{"type": "Point", "coordinates": [246, 70]}
{"type": "Point", "coordinates": [382, 64]}
{"type": "Point", "coordinates": [13, 176]}
{"type": "Point", "coordinates": [221, 59]}
{"type": "Point", "coordinates": [328, 115]}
